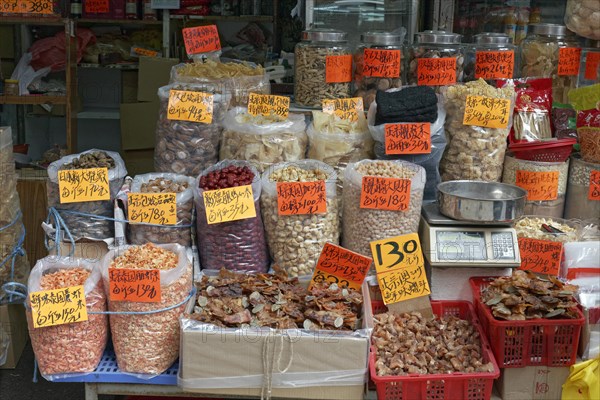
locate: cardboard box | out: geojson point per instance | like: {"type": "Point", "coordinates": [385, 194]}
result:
{"type": "Point", "coordinates": [532, 383]}
{"type": "Point", "coordinates": [87, 249]}
{"type": "Point", "coordinates": [14, 324]}
{"type": "Point", "coordinates": [138, 125]}
{"type": "Point", "coordinates": [138, 161]}
{"type": "Point", "coordinates": [154, 72]}
{"type": "Point", "coordinates": [129, 86]}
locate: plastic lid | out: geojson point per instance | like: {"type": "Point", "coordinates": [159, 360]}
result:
{"type": "Point", "coordinates": [550, 29]}
{"type": "Point", "coordinates": [324, 35]}
{"type": "Point", "coordinates": [381, 38]}
{"type": "Point", "coordinates": [437, 37]}
{"type": "Point", "coordinates": [492, 38]}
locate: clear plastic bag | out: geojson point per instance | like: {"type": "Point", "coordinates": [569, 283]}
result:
{"type": "Point", "coordinates": [70, 349]}
{"type": "Point", "coordinates": [83, 226]}
{"type": "Point", "coordinates": [583, 18]}
{"type": "Point", "coordinates": [295, 241]}
{"type": "Point", "coordinates": [262, 141]}
{"type": "Point", "coordinates": [236, 245]}
{"type": "Point", "coordinates": [578, 204]}
{"type": "Point", "coordinates": [140, 234]}
{"type": "Point", "coordinates": [185, 147]}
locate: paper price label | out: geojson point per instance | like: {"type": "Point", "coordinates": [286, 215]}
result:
{"type": "Point", "coordinates": [201, 39]}
{"type": "Point", "coordinates": [592, 62]}
{"type": "Point", "coordinates": [408, 138]}
{"type": "Point", "coordinates": [58, 306]}
{"type": "Point", "coordinates": [300, 198]}
{"type": "Point", "coordinates": [97, 6]}
{"type": "Point", "coordinates": [152, 208]}
{"type": "Point", "coordinates": [494, 64]}
{"type": "Point", "coordinates": [594, 192]}
{"type": "Point", "coordinates": [27, 6]}
{"type": "Point", "coordinates": [82, 185]}
{"type": "Point", "coordinates": [140, 51]}
{"type": "Point", "coordinates": [385, 193]}
{"type": "Point", "coordinates": [231, 204]}
{"type": "Point", "coordinates": [436, 71]}
{"type": "Point", "coordinates": [486, 112]}
{"type": "Point", "coordinates": [341, 266]}
{"type": "Point", "coordinates": [346, 109]}
{"type": "Point", "coordinates": [540, 256]}
{"type": "Point", "coordinates": [185, 105]}
{"type": "Point", "coordinates": [134, 285]}
{"type": "Point", "coordinates": [264, 104]}
{"type": "Point", "coordinates": [338, 69]}
{"type": "Point", "coordinates": [569, 59]}
{"type": "Point", "coordinates": [381, 63]}
{"type": "Point", "coordinates": [540, 186]}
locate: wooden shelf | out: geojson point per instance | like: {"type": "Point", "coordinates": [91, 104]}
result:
{"type": "Point", "coordinates": [122, 22]}
{"type": "Point", "coordinates": [33, 99]}
{"type": "Point", "coordinates": [57, 21]}
{"type": "Point", "coordinates": [233, 18]}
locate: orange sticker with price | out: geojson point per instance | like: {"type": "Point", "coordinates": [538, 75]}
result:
{"type": "Point", "coordinates": [569, 59]}
{"type": "Point", "coordinates": [185, 105]}
{"type": "Point", "coordinates": [380, 63]}
{"type": "Point", "coordinates": [436, 71]}
{"type": "Point", "coordinates": [152, 208]}
{"type": "Point", "coordinates": [486, 112]}
{"type": "Point", "coordinates": [540, 256]}
{"type": "Point", "coordinates": [140, 51]}
{"type": "Point", "coordinates": [27, 6]}
{"type": "Point", "coordinates": [97, 6]}
{"type": "Point", "coordinates": [594, 193]}
{"type": "Point", "coordinates": [83, 185]}
{"type": "Point", "coordinates": [58, 306]}
{"type": "Point", "coordinates": [592, 62]}
{"type": "Point", "coordinates": [201, 39]}
{"type": "Point", "coordinates": [346, 109]}
{"type": "Point", "coordinates": [134, 285]}
{"type": "Point", "coordinates": [408, 138]}
{"type": "Point", "coordinates": [265, 104]}
{"type": "Point", "coordinates": [301, 198]}
{"type": "Point", "coordinates": [385, 193]}
{"type": "Point", "coordinates": [540, 186]}
{"type": "Point", "coordinates": [338, 69]}
{"type": "Point", "coordinates": [341, 266]}
{"type": "Point", "coordinates": [494, 64]}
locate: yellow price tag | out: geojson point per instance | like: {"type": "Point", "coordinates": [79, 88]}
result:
{"type": "Point", "coordinates": [345, 109]}
{"type": "Point", "coordinates": [231, 204]}
{"type": "Point", "coordinates": [265, 104]}
{"type": "Point", "coordinates": [152, 208]}
{"type": "Point", "coordinates": [81, 185]}
{"type": "Point", "coordinates": [486, 112]}
{"type": "Point", "coordinates": [58, 306]}
{"type": "Point", "coordinates": [185, 105]}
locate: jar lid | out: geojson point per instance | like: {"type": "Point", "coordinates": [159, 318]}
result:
{"type": "Point", "coordinates": [550, 29]}
{"type": "Point", "coordinates": [492, 38]}
{"type": "Point", "coordinates": [437, 37]}
{"type": "Point", "coordinates": [324, 35]}
{"type": "Point", "coordinates": [381, 38]}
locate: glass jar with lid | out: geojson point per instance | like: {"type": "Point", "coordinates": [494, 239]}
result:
{"type": "Point", "coordinates": [552, 51]}
{"type": "Point", "coordinates": [378, 64]}
{"type": "Point", "coordinates": [322, 67]}
{"type": "Point", "coordinates": [436, 59]}
{"type": "Point", "coordinates": [490, 57]}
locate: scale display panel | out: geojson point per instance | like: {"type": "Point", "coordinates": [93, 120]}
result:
{"type": "Point", "coordinates": [463, 246]}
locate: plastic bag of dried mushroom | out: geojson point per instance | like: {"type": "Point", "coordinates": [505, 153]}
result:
{"type": "Point", "coordinates": [147, 344]}
{"type": "Point", "coordinates": [82, 226]}
{"type": "Point", "coordinates": [69, 349]}
{"type": "Point", "coordinates": [235, 245]}
{"type": "Point", "coordinates": [165, 183]}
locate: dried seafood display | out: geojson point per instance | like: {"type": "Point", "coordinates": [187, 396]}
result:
{"type": "Point", "coordinates": [525, 296]}
{"type": "Point", "coordinates": [533, 228]}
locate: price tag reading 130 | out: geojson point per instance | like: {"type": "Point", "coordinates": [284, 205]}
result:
{"type": "Point", "coordinates": [58, 306]}
{"type": "Point", "coordinates": [152, 208]}
{"type": "Point", "coordinates": [185, 105]}
{"type": "Point", "coordinates": [231, 204]}
{"type": "Point", "coordinates": [82, 185]}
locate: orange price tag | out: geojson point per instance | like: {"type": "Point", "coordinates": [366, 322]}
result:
{"type": "Point", "coordinates": [345, 109]}
{"type": "Point", "coordinates": [494, 64]}
{"type": "Point", "coordinates": [408, 138]}
{"type": "Point", "coordinates": [385, 193]}
{"type": "Point", "coordinates": [140, 51]}
{"type": "Point", "coordinates": [487, 112]}
{"type": "Point", "coordinates": [436, 71]}
{"type": "Point", "coordinates": [201, 39]}
{"type": "Point", "coordinates": [540, 186]}
{"type": "Point", "coordinates": [300, 198]}
{"type": "Point", "coordinates": [97, 6]}
{"type": "Point", "coordinates": [134, 285]}
{"type": "Point", "coordinates": [381, 63]}
{"type": "Point", "coordinates": [541, 256]}
{"type": "Point", "coordinates": [594, 193]}
{"type": "Point", "coordinates": [592, 61]}
{"type": "Point", "coordinates": [341, 266]}
{"type": "Point", "coordinates": [27, 6]}
{"type": "Point", "coordinates": [569, 59]}
{"type": "Point", "coordinates": [338, 69]}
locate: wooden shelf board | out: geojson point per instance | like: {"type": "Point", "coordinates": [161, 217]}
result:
{"type": "Point", "coordinates": [102, 21]}
{"type": "Point", "coordinates": [33, 99]}
{"type": "Point", "coordinates": [6, 20]}
{"type": "Point", "coordinates": [239, 18]}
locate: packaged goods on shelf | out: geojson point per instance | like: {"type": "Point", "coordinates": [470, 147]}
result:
{"type": "Point", "coordinates": [588, 131]}
{"type": "Point", "coordinates": [583, 18]}
{"type": "Point", "coordinates": [580, 202]}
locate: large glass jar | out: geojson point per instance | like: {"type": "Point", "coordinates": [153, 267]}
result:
{"type": "Point", "coordinates": [436, 59]}
{"type": "Point", "coordinates": [491, 57]}
{"type": "Point", "coordinates": [551, 51]}
{"type": "Point", "coordinates": [377, 64]}
{"type": "Point", "coordinates": [323, 67]}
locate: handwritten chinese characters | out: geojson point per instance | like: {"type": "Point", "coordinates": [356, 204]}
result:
{"type": "Point", "coordinates": [541, 256]}
{"type": "Point", "coordinates": [569, 60]}
{"type": "Point", "coordinates": [346, 109]}
{"type": "Point", "coordinates": [494, 64]}
{"type": "Point", "coordinates": [231, 204]}
{"type": "Point", "coordinates": [264, 104]}
{"type": "Point", "coordinates": [540, 186]}
{"type": "Point", "coordinates": [381, 63]}
{"type": "Point", "coordinates": [297, 198]}
{"type": "Point", "coordinates": [385, 193]}
{"type": "Point", "coordinates": [185, 105]}
{"type": "Point", "coordinates": [27, 6]}
{"type": "Point", "coordinates": [486, 112]}
{"type": "Point", "coordinates": [338, 69]}
{"type": "Point", "coordinates": [201, 39]}
{"type": "Point", "coordinates": [436, 71]}
{"type": "Point", "coordinates": [341, 266]}
{"type": "Point", "coordinates": [408, 138]}
{"type": "Point", "coordinates": [135, 285]}
{"type": "Point", "coordinates": [152, 208]}
{"type": "Point", "coordinates": [81, 185]}
{"type": "Point", "coordinates": [594, 192]}
{"type": "Point", "coordinates": [58, 306]}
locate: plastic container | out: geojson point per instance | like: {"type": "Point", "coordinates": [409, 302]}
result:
{"type": "Point", "coordinates": [472, 386]}
{"type": "Point", "coordinates": [491, 57]}
{"type": "Point", "coordinates": [583, 18]}
{"type": "Point", "coordinates": [313, 80]}
{"type": "Point", "coordinates": [516, 344]}
{"type": "Point", "coordinates": [578, 203]}
{"type": "Point", "coordinates": [551, 151]}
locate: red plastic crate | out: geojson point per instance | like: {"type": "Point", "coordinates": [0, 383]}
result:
{"type": "Point", "coordinates": [472, 386]}
{"type": "Point", "coordinates": [545, 342]}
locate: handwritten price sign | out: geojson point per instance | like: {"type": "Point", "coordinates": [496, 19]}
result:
{"type": "Point", "coordinates": [231, 204]}
{"type": "Point", "coordinates": [134, 285]}
{"type": "Point", "coordinates": [381, 63]}
{"type": "Point", "coordinates": [569, 59]}
{"type": "Point", "coordinates": [594, 192]}
{"type": "Point", "coordinates": [345, 109]}
{"type": "Point", "coordinates": [338, 69]}
{"type": "Point", "coordinates": [27, 6]}
{"type": "Point", "coordinates": [408, 138]}
{"type": "Point", "coordinates": [299, 198]}
{"type": "Point", "coordinates": [486, 112]}
{"type": "Point", "coordinates": [201, 39]}
{"type": "Point", "coordinates": [540, 186]}
{"type": "Point", "coordinates": [264, 104]}
{"type": "Point", "coordinates": [541, 256]}
{"type": "Point", "coordinates": [436, 71]}
{"type": "Point", "coordinates": [385, 193]}
{"type": "Point", "coordinates": [58, 306]}
{"type": "Point", "coordinates": [185, 105]}
{"type": "Point", "coordinates": [152, 208]}
{"type": "Point", "coordinates": [81, 185]}
{"type": "Point", "coordinates": [592, 61]}
{"type": "Point", "coordinates": [494, 64]}
{"type": "Point", "coordinates": [97, 6]}
{"type": "Point", "coordinates": [341, 266]}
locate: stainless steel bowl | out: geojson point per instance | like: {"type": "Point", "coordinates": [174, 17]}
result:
{"type": "Point", "coordinates": [485, 202]}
